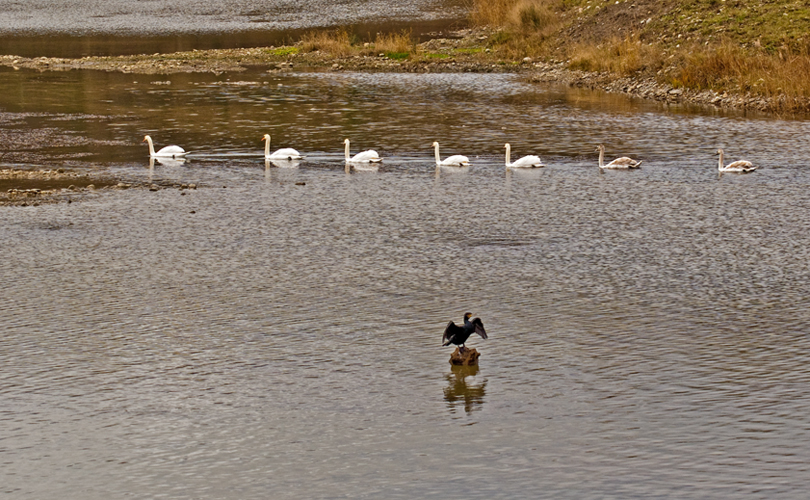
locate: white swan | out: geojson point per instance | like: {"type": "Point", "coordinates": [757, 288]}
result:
{"type": "Point", "coordinates": [452, 161]}
{"type": "Point", "coordinates": [530, 161]}
{"type": "Point", "coordinates": [167, 152]}
{"type": "Point", "coordinates": [369, 156]}
{"type": "Point", "coordinates": [623, 162]}
{"type": "Point", "coordinates": [741, 166]}
{"type": "Point", "coordinates": [279, 154]}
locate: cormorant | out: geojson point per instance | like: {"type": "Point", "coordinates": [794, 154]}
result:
{"type": "Point", "coordinates": [458, 335]}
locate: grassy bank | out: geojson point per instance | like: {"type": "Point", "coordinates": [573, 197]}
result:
{"type": "Point", "coordinates": [736, 46]}
{"type": "Point", "coordinates": [727, 46]}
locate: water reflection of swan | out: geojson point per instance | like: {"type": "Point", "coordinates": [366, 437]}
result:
{"type": "Point", "coordinates": [285, 172]}
{"type": "Point", "coordinates": [623, 162]}
{"type": "Point", "coordinates": [458, 390]}
{"type": "Point", "coordinates": [166, 162]}
{"type": "Point", "coordinates": [167, 152]}
{"type": "Point", "coordinates": [740, 166]}
{"type": "Point", "coordinates": [530, 161]}
{"type": "Point", "coordinates": [369, 156]}
{"type": "Point", "coordinates": [452, 161]}
{"type": "Point", "coordinates": [279, 154]}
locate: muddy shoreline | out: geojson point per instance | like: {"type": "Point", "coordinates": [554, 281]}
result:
{"type": "Point", "coordinates": [461, 52]}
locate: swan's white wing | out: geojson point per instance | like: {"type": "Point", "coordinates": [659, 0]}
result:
{"type": "Point", "coordinates": [286, 153]}
{"type": "Point", "coordinates": [623, 162]}
{"type": "Point", "coordinates": [456, 161]}
{"type": "Point", "coordinates": [740, 166]}
{"type": "Point", "coordinates": [530, 161]}
{"type": "Point", "coordinates": [171, 151]}
{"type": "Point", "coordinates": [369, 156]}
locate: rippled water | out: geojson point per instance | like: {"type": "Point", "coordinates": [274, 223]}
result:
{"type": "Point", "coordinates": [82, 17]}
{"type": "Point", "coordinates": [79, 28]}
{"type": "Point", "coordinates": [258, 338]}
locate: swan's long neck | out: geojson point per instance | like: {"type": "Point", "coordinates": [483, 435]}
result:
{"type": "Point", "coordinates": [346, 149]}
{"type": "Point", "coordinates": [601, 156]}
{"type": "Point", "coordinates": [436, 151]}
{"type": "Point", "coordinates": [151, 146]}
{"type": "Point", "coordinates": [720, 163]}
{"type": "Point", "coordinates": [267, 145]}
{"type": "Point", "coordinates": [508, 154]}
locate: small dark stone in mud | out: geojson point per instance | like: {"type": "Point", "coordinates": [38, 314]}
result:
{"type": "Point", "coordinates": [193, 212]}
{"type": "Point", "coordinates": [224, 187]}
{"type": "Point", "coordinates": [60, 170]}
{"type": "Point", "coordinates": [300, 183]}
{"type": "Point", "coordinates": [182, 193]}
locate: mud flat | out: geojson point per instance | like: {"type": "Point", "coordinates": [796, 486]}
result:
{"type": "Point", "coordinates": [23, 188]}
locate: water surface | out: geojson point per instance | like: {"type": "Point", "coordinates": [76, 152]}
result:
{"type": "Point", "coordinates": [78, 28]}
{"type": "Point", "coordinates": [259, 338]}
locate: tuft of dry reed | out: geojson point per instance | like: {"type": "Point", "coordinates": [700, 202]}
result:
{"type": "Point", "coordinates": [523, 15]}
{"type": "Point", "coordinates": [729, 66]}
{"type": "Point", "coordinates": [401, 43]}
{"type": "Point", "coordinates": [784, 73]}
{"type": "Point", "coordinates": [619, 56]}
{"type": "Point", "coordinates": [337, 43]}
{"type": "Point", "coordinates": [340, 43]}
{"type": "Point", "coordinates": [525, 25]}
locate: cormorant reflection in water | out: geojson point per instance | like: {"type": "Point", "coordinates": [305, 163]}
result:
{"type": "Point", "coordinates": [460, 391]}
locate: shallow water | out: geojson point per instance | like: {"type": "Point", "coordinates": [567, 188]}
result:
{"type": "Point", "coordinates": [257, 338]}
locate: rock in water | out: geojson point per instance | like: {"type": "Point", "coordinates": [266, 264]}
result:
{"type": "Point", "coordinates": [467, 358]}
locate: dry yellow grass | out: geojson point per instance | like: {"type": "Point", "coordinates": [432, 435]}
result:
{"type": "Point", "coordinates": [395, 42]}
{"type": "Point", "coordinates": [391, 43]}
{"type": "Point", "coordinates": [531, 15]}
{"type": "Point", "coordinates": [729, 67]}
{"type": "Point", "coordinates": [525, 25]}
{"type": "Point", "coordinates": [341, 43]}
{"type": "Point", "coordinates": [625, 57]}
{"type": "Point", "coordinates": [336, 43]}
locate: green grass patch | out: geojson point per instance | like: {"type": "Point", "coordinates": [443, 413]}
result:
{"type": "Point", "coordinates": [437, 55]}
{"type": "Point", "coordinates": [473, 50]}
{"type": "Point", "coordinates": [283, 51]}
{"type": "Point", "coordinates": [398, 56]}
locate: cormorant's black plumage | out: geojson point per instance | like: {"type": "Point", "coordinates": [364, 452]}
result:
{"type": "Point", "coordinates": [458, 335]}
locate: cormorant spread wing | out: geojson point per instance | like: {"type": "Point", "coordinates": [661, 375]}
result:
{"type": "Point", "coordinates": [479, 328]}
{"type": "Point", "coordinates": [451, 331]}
